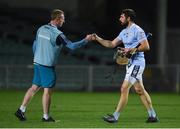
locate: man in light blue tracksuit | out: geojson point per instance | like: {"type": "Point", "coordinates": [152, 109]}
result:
{"type": "Point", "coordinates": [46, 48]}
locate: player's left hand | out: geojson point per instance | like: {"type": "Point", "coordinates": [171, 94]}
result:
{"type": "Point", "coordinates": [128, 52]}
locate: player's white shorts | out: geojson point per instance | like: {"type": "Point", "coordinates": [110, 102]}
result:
{"type": "Point", "coordinates": [134, 73]}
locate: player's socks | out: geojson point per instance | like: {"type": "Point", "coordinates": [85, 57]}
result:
{"type": "Point", "coordinates": [22, 108]}
{"type": "Point", "coordinates": [151, 113]}
{"type": "Point", "coordinates": [116, 115]}
{"type": "Point", "coordinates": [45, 116]}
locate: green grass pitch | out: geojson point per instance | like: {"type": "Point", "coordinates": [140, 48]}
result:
{"type": "Point", "coordinates": [85, 110]}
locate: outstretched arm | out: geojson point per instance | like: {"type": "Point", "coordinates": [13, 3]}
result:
{"type": "Point", "coordinates": [72, 45]}
{"type": "Point", "coordinates": [106, 43]}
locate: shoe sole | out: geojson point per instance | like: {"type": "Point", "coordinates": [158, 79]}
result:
{"type": "Point", "coordinates": [104, 118]}
{"type": "Point", "coordinates": [152, 121]}
{"type": "Point", "coordinates": [21, 119]}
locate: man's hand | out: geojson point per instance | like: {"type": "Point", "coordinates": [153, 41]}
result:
{"type": "Point", "coordinates": [106, 43]}
{"type": "Point", "coordinates": [128, 52]}
{"type": "Point", "coordinates": [95, 37]}
{"type": "Point", "coordinates": [123, 55]}
{"type": "Point", "coordinates": [89, 37]}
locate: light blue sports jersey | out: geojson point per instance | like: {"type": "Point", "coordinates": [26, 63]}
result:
{"type": "Point", "coordinates": [45, 49]}
{"type": "Point", "coordinates": [131, 37]}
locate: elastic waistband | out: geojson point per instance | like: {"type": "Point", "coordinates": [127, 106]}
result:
{"type": "Point", "coordinates": [43, 65]}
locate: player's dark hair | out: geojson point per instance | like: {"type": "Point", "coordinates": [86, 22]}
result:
{"type": "Point", "coordinates": [56, 13]}
{"type": "Point", "coordinates": [129, 13]}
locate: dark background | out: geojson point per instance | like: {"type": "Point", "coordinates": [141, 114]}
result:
{"type": "Point", "coordinates": [20, 20]}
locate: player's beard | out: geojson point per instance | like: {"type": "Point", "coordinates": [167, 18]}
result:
{"type": "Point", "coordinates": [125, 24]}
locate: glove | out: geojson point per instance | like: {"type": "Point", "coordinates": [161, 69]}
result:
{"type": "Point", "coordinates": [122, 55]}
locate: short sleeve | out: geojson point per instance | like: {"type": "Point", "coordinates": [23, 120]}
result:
{"type": "Point", "coordinates": [141, 35]}
{"type": "Point", "coordinates": [120, 36]}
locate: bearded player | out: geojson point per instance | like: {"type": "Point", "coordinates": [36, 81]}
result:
{"type": "Point", "coordinates": [132, 37]}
